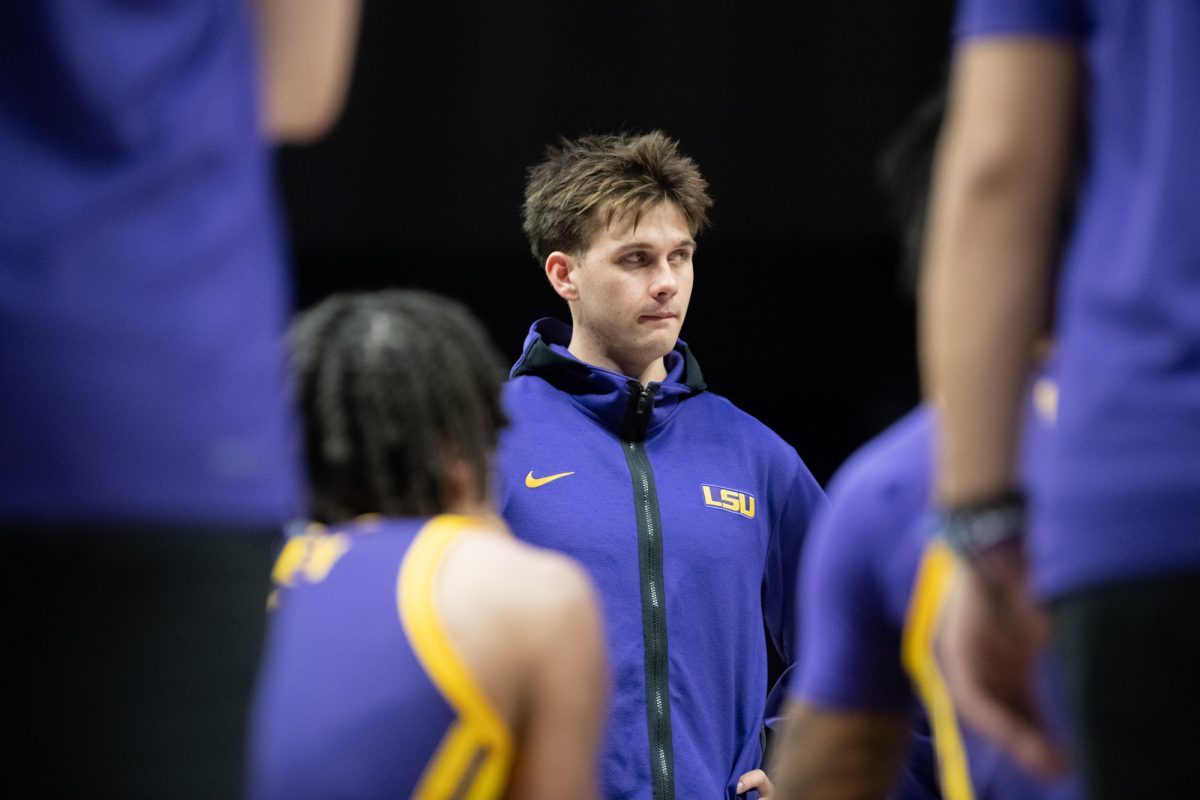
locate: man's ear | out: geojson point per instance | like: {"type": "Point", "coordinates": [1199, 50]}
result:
{"type": "Point", "coordinates": [560, 271]}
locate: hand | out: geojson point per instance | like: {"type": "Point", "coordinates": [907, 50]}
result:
{"type": "Point", "coordinates": [756, 779]}
{"type": "Point", "coordinates": [990, 636]}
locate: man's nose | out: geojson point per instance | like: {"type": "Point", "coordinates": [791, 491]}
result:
{"type": "Point", "coordinates": [664, 282]}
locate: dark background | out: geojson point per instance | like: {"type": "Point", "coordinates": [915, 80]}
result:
{"type": "Point", "coordinates": [797, 314]}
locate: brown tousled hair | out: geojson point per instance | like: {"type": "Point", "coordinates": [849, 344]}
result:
{"type": "Point", "coordinates": [590, 181]}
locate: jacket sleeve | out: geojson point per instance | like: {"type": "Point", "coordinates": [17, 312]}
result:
{"type": "Point", "coordinates": [803, 497]}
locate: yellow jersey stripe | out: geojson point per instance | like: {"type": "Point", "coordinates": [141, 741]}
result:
{"type": "Point", "coordinates": [479, 742]}
{"type": "Point", "coordinates": [929, 594]}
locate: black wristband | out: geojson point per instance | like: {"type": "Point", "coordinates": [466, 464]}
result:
{"type": "Point", "coordinates": [973, 529]}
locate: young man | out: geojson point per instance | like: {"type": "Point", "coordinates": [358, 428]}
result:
{"type": "Point", "coordinates": [1113, 545]}
{"type": "Point", "coordinates": [688, 513]}
{"type": "Point", "coordinates": [416, 649]}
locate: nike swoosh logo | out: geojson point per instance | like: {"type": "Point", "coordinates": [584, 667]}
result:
{"type": "Point", "coordinates": [533, 482]}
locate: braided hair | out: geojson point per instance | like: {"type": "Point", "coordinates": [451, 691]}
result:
{"type": "Point", "coordinates": [392, 384]}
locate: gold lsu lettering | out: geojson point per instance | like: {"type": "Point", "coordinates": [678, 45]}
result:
{"type": "Point", "coordinates": [309, 556]}
{"type": "Point", "coordinates": [728, 500]}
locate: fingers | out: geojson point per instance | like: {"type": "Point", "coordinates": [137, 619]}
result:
{"type": "Point", "coordinates": [988, 648]}
{"type": "Point", "coordinates": [758, 780]}
{"type": "Point", "coordinates": [1007, 721]}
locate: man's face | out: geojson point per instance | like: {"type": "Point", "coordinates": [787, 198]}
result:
{"type": "Point", "coordinates": [633, 285]}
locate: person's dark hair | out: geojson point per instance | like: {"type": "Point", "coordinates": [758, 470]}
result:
{"type": "Point", "coordinates": [585, 183]}
{"type": "Point", "coordinates": [391, 384]}
{"type": "Point", "coordinates": [906, 172]}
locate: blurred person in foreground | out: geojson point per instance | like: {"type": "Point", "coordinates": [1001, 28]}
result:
{"type": "Point", "coordinates": [147, 460]}
{"type": "Point", "coordinates": [1109, 542]}
{"type": "Point", "coordinates": [417, 649]}
{"type": "Point", "coordinates": [869, 692]}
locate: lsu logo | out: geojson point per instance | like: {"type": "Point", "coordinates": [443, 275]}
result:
{"type": "Point", "coordinates": [309, 556]}
{"type": "Point", "coordinates": [728, 500]}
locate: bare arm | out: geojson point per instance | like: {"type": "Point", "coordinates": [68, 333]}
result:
{"type": "Point", "coordinates": [564, 699]}
{"type": "Point", "coordinates": [999, 182]}
{"type": "Point", "coordinates": [1001, 179]}
{"type": "Point", "coordinates": [307, 49]}
{"type": "Point", "coordinates": [833, 755]}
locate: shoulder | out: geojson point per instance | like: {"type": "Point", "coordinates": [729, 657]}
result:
{"type": "Point", "coordinates": [731, 419]}
{"type": "Point", "coordinates": [524, 386]}
{"type": "Point", "coordinates": [884, 483]}
{"type": "Point", "coordinates": [515, 584]}
{"type": "Point", "coordinates": [719, 405]}
{"type": "Point", "coordinates": [528, 399]}
{"type": "Point", "coordinates": [504, 610]}
{"type": "Point", "coordinates": [519, 385]}
{"type": "Point", "coordinates": [895, 463]}
{"type": "Point", "coordinates": [510, 610]}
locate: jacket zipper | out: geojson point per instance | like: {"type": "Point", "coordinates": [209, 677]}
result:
{"type": "Point", "coordinates": [654, 610]}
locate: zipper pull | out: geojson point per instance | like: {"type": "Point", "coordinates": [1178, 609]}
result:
{"type": "Point", "coordinates": [643, 405]}
{"type": "Point", "coordinates": [637, 417]}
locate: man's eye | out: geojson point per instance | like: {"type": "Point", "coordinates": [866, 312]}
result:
{"type": "Point", "coordinates": [635, 258]}
{"type": "Point", "coordinates": [681, 255]}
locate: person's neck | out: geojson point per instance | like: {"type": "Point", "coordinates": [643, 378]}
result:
{"type": "Point", "coordinates": [469, 507]}
{"type": "Point", "coordinates": [644, 373]}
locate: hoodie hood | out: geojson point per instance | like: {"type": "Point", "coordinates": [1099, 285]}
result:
{"type": "Point", "coordinates": [606, 396]}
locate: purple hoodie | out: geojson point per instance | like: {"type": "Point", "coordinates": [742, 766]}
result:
{"type": "Point", "coordinates": [689, 515]}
